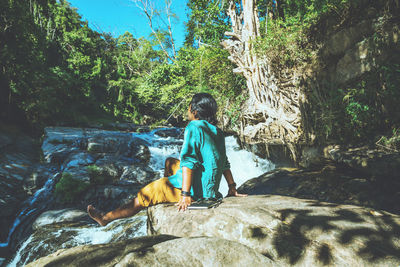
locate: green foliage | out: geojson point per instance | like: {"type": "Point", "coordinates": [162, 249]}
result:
{"type": "Point", "coordinates": [285, 30]}
{"type": "Point", "coordinates": [356, 107]}
{"type": "Point", "coordinates": [283, 44]}
{"type": "Point", "coordinates": [68, 189]}
{"type": "Point", "coordinates": [234, 111]}
{"type": "Point", "coordinates": [97, 175]}
{"type": "Point", "coordinates": [53, 66]}
{"type": "Point", "coordinates": [392, 143]}
{"type": "Point", "coordinates": [364, 110]}
{"type": "Point", "coordinates": [207, 23]}
{"type": "Point", "coordinates": [55, 69]}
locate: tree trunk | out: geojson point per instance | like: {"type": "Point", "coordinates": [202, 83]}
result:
{"type": "Point", "coordinates": [272, 113]}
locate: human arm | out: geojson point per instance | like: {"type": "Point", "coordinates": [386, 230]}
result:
{"type": "Point", "coordinates": [187, 176]}
{"type": "Point", "coordinates": [189, 162]}
{"type": "Point", "coordinates": [231, 184]}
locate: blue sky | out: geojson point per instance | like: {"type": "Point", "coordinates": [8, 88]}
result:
{"type": "Point", "coordinates": [119, 16]}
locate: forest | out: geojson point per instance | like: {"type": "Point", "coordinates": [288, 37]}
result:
{"type": "Point", "coordinates": [56, 70]}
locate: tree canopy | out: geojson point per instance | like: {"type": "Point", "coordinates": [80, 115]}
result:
{"type": "Point", "coordinates": [55, 69]}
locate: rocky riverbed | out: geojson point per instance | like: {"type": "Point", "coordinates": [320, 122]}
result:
{"type": "Point", "coordinates": [339, 211]}
{"type": "Point", "coordinates": [92, 166]}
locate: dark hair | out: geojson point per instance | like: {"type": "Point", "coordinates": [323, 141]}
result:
{"type": "Point", "coordinates": [206, 107]}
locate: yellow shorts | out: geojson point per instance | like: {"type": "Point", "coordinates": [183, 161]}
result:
{"type": "Point", "coordinates": [159, 191]}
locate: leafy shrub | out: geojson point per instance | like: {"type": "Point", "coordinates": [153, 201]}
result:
{"type": "Point", "coordinates": [392, 143]}
{"type": "Point", "coordinates": [284, 44]}
{"type": "Point", "coordinates": [362, 110]}
{"type": "Point", "coordinates": [68, 189]}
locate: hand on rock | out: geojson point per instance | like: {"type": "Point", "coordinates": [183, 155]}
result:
{"type": "Point", "coordinates": [233, 193]}
{"type": "Point", "coordinates": [184, 203]}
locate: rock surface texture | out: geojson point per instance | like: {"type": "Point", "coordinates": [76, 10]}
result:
{"type": "Point", "coordinates": [160, 250]}
{"type": "Point", "coordinates": [19, 177]}
{"type": "Point", "coordinates": [118, 161]}
{"type": "Point", "coordinates": [330, 182]}
{"type": "Point", "coordinates": [62, 229]}
{"type": "Point", "coordinates": [291, 231]}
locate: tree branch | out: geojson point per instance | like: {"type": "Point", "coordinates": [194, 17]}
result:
{"type": "Point", "coordinates": [149, 10]}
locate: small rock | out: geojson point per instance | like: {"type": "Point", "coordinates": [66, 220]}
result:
{"type": "Point", "coordinates": [60, 216]}
{"type": "Point", "coordinates": [138, 174]}
{"type": "Point", "coordinates": [174, 132]}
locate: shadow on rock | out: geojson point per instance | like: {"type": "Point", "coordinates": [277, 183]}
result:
{"type": "Point", "coordinates": [373, 243]}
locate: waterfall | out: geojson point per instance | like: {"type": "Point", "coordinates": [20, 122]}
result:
{"type": "Point", "coordinates": [34, 204]}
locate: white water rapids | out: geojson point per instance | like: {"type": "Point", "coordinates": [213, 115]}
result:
{"type": "Point", "coordinates": [244, 166]}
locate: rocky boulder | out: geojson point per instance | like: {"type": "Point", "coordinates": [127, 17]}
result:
{"type": "Point", "coordinates": [38, 177]}
{"type": "Point", "coordinates": [291, 231]}
{"type": "Point", "coordinates": [331, 182]}
{"type": "Point", "coordinates": [176, 132]}
{"type": "Point", "coordinates": [162, 250]}
{"type": "Point", "coordinates": [369, 160]}
{"type": "Point", "coordinates": [109, 164]}
{"type": "Point", "coordinates": [108, 197]}
{"type": "Point", "coordinates": [67, 228]}
{"type": "Point", "coordinates": [18, 154]}
{"type": "Point", "coordinates": [65, 216]}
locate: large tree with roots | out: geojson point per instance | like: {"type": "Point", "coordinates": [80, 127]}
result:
{"type": "Point", "coordinates": [272, 112]}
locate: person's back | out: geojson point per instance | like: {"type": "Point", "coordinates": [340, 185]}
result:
{"type": "Point", "coordinates": [203, 161]}
{"type": "Point", "coordinates": [204, 152]}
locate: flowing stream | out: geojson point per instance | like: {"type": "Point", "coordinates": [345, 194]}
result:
{"type": "Point", "coordinates": [244, 166]}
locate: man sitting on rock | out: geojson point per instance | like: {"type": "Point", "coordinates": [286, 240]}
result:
{"type": "Point", "coordinates": [196, 176]}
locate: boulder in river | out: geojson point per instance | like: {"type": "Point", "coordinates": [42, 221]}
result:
{"type": "Point", "coordinates": [38, 177]}
{"type": "Point", "coordinates": [291, 231]}
{"type": "Point", "coordinates": [18, 153]}
{"type": "Point", "coordinates": [67, 228]}
{"type": "Point", "coordinates": [172, 132]}
{"type": "Point", "coordinates": [52, 217]}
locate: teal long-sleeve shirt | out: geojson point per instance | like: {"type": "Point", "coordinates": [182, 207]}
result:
{"type": "Point", "coordinates": [204, 152]}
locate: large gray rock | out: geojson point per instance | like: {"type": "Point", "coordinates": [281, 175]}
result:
{"type": "Point", "coordinates": [107, 143]}
{"type": "Point", "coordinates": [159, 251]}
{"type": "Point", "coordinates": [291, 231]}
{"type": "Point", "coordinates": [59, 142]}
{"type": "Point", "coordinates": [375, 162]}
{"type": "Point", "coordinates": [338, 43]}
{"type": "Point", "coordinates": [120, 170]}
{"type": "Point", "coordinates": [332, 182]}
{"type": "Point", "coordinates": [139, 150]}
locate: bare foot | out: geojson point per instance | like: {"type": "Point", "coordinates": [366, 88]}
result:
{"type": "Point", "coordinates": [96, 215]}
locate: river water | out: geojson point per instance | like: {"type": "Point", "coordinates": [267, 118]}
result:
{"type": "Point", "coordinates": [244, 166]}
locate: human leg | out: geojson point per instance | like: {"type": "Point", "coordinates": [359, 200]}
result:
{"type": "Point", "coordinates": [171, 166]}
{"type": "Point", "coordinates": [127, 210]}
{"type": "Point", "coordinates": [159, 191]}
